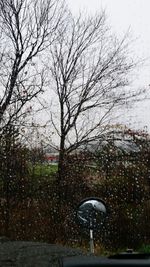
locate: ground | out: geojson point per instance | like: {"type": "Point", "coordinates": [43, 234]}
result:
{"type": "Point", "coordinates": [32, 254]}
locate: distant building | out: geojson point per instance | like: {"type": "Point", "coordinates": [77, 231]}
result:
{"type": "Point", "coordinates": [52, 158]}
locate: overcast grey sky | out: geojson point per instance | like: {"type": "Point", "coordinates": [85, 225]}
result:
{"type": "Point", "coordinates": [121, 15]}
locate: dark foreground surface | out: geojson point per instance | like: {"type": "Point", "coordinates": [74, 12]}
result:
{"type": "Point", "coordinates": [33, 254]}
{"type": "Point", "coordinates": [36, 254]}
{"type": "Point", "coordinates": [89, 261]}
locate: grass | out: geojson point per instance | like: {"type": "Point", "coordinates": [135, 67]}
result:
{"type": "Point", "coordinates": [45, 170]}
{"type": "Point", "coordinates": [145, 249]}
{"type": "Point", "coordinates": [40, 170]}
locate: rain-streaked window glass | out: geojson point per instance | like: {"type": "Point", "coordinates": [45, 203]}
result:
{"type": "Point", "coordinates": [74, 123]}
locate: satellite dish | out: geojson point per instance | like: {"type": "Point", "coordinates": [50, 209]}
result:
{"type": "Point", "coordinates": [91, 213]}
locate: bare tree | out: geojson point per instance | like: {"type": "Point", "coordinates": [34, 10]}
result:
{"type": "Point", "coordinates": [27, 28]}
{"type": "Point", "coordinates": [90, 73]}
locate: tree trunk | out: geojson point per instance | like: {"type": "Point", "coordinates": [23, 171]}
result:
{"type": "Point", "coordinates": [61, 170]}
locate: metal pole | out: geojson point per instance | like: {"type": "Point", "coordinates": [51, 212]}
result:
{"type": "Point", "coordinates": [91, 242]}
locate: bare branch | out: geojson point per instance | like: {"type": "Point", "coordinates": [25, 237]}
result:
{"type": "Point", "coordinates": [28, 27]}
{"type": "Point", "coordinates": [91, 76]}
